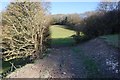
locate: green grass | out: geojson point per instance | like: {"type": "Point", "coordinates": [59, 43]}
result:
{"type": "Point", "coordinates": [112, 39]}
{"type": "Point", "coordinates": [6, 66]}
{"type": "Point", "coordinates": [1, 70]}
{"type": "Point", "coordinates": [57, 31]}
{"type": "Point", "coordinates": [63, 41]}
{"type": "Point", "coordinates": [61, 36]}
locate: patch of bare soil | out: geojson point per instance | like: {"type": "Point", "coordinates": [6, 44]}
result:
{"type": "Point", "coordinates": [63, 62]}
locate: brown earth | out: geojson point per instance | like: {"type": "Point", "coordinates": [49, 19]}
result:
{"type": "Point", "coordinates": [67, 62]}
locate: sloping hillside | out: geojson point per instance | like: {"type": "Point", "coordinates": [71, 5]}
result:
{"type": "Point", "coordinates": [58, 31]}
{"type": "Point", "coordinates": [61, 36]}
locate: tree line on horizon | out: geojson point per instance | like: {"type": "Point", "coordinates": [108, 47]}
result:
{"type": "Point", "coordinates": [104, 20]}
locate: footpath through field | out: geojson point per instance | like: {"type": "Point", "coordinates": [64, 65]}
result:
{"type": "Point", "coordinates": [91, 59]}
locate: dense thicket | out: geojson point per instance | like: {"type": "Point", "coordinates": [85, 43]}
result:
{"type": "Point", "coordinates": [105, 21]}
{"type": "Point", "coordinates": [25, 30]}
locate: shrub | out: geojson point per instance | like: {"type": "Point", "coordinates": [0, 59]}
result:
{"type": "Point", "coordinates": [102, 24]}
{"type": "Point", "coordinates": [25, 30]}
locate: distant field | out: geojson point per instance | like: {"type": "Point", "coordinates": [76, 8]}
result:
{"type": "Point", "coordinates": [113, 40]}
{"type": "Point", "coordinates": [59, 32]}
{"type": "Point", "coordinates": [61, 36]}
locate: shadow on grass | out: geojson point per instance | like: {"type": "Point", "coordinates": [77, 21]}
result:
{"type": "Point", "coordinates": [62, 42]}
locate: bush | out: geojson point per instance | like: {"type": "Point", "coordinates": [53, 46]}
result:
{"type": "Point", "coordinates": [25, 30]}
{"type": "Point", "coordinates": [102, 24]}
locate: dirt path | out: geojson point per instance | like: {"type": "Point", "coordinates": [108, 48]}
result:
{"type": "Point", "coordinates": [72, 62]}
{"type": "Point", "coordinates": [106, 56]}
{"type": "Point", "coordinates": [61, 63]}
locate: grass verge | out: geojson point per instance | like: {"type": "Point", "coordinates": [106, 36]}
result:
{"type": "Point", "coordinates": [62, 41]}
{"type": "Point", "coordinates": [113, 40]}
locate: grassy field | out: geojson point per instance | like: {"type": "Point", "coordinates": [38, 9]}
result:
{"type": "Point", "coordinates": [57, 31]}
{"type": "Point", "coordinates": [61, 36]}
{"type": "Point", "coordinates": [113, 40]}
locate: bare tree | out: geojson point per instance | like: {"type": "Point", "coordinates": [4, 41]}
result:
{"type": "Point", "coordinates": [118, 6]}
{"type": "Point", "coordinates": [24, 28]}
{"type": "Point", "coordinates": [107, 5]}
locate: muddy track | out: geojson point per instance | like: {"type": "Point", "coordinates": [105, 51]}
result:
{"type": "Point", "coordinates": [61, 63]}
{"type": "Point", "coordinates": [68, 62]}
